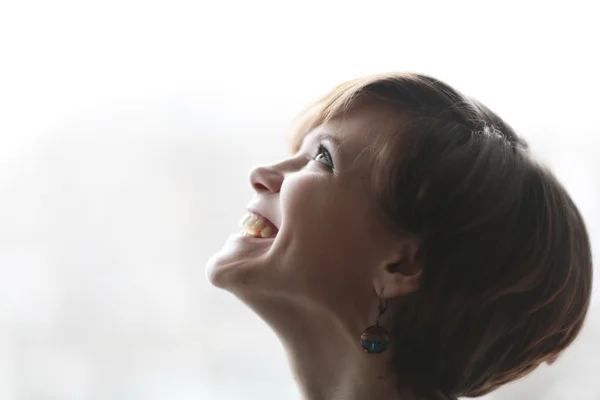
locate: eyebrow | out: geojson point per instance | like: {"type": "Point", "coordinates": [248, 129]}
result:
{"type": "Point", "coordinates": [324, 136]}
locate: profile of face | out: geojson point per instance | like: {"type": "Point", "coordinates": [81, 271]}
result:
{"type": "Point", "coordinates": [331, 246]}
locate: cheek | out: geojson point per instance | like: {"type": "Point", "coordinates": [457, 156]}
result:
{"type": "Point", "coordinates": [326, 224]}
{"type": "Point", "coordinates": [314, 207]}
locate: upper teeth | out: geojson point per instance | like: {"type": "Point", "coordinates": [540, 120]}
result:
{"type": "Point", "coordinates": [256, 226]}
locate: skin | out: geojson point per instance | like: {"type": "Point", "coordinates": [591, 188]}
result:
{"type": "Point", "coordinates": [317, 283]}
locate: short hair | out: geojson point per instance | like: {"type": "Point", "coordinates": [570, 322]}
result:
{"type": "Point", "coordinates": [507, 265]}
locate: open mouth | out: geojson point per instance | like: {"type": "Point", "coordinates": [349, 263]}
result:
{"type": "Point", "coordinates": [257, 226]}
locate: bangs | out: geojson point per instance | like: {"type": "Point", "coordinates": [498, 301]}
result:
{"type": "Point", "coordinates": [340, 101]}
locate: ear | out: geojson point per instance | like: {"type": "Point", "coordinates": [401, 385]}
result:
{"type": "Point", "coordinates": [399, 274]}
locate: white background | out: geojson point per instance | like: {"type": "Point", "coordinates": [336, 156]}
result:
{"type": "Point", "coordinates": [127, 129]}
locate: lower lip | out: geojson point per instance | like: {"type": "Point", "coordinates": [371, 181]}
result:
{"type": "Point", "coordinates": [251, 239]}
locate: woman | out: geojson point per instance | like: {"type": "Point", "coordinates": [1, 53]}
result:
{"type": "Point", "coordinates": [409, 248]}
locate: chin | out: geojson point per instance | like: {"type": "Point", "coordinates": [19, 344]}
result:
{"type": "Point", "coordinates": [242, 263]}
{"type": "Point", "coordinates": [230, 274]}
{"type": "Point", "coordinates": [216, 272]}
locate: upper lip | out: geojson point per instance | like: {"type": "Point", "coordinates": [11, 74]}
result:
{"type": "Point", "coordinates": [258, 211]}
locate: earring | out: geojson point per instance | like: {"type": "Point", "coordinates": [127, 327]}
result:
{"type": "Point", "coordinates": [375, 338]}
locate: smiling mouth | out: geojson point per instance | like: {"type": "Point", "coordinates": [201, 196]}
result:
{"type": "Point", "coordinates": [257, 226]}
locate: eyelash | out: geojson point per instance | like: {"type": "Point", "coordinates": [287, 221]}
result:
{"type": "Point", "coordinates": [322, 150]}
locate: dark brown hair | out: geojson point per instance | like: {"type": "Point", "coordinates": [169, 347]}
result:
{"type": "Point", "coordinates": [506, 259]}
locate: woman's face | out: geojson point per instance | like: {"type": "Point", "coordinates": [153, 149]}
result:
{"type": "Point", "coordinates": [329, 237]}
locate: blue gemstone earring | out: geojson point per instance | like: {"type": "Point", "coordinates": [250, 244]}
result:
{"type": "Point", "coordinates": [375, 338]}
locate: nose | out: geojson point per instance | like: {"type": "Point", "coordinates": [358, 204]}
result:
{"type": "Point", "coordinates": [265, 179]}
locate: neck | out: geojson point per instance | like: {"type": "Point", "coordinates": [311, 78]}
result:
{"type": "Point", "coordinates": [325, 354]}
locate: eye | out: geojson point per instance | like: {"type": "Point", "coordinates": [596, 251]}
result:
{"type": "Point", "coordinates": [323, 156]}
